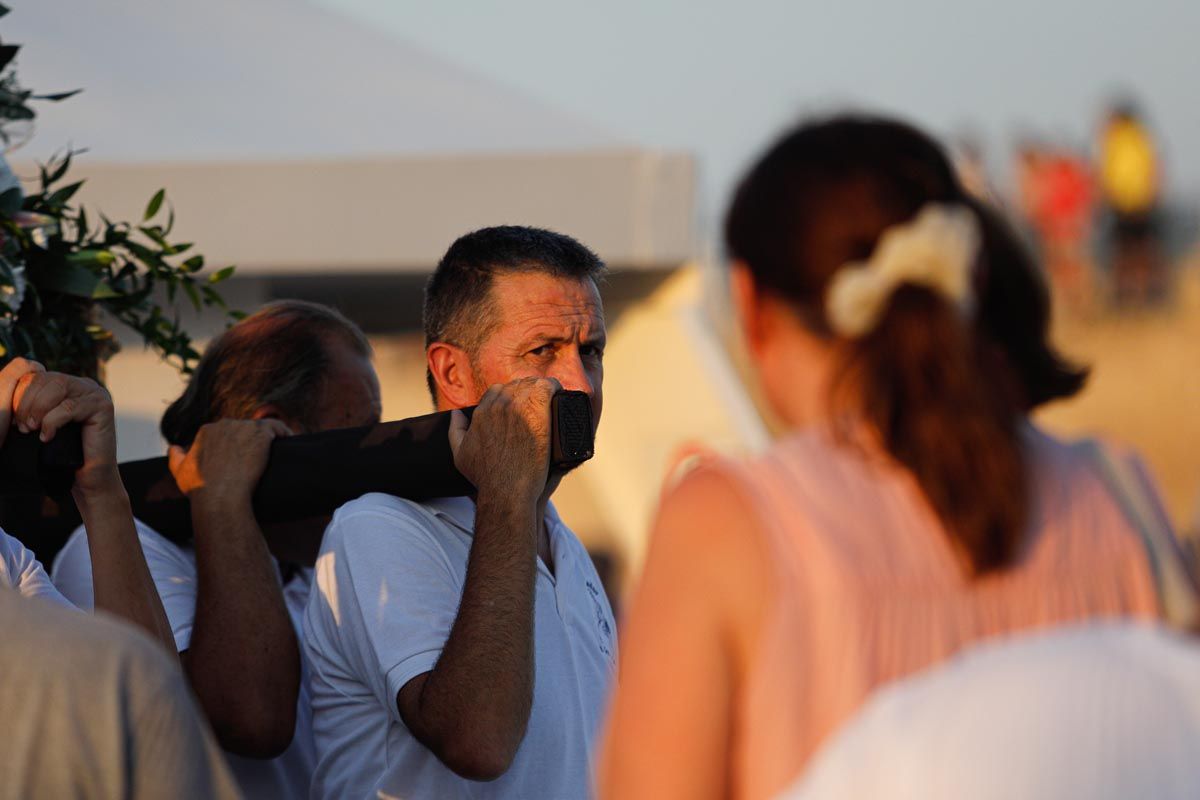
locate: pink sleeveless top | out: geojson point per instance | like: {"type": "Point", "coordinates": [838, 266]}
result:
{"type": "Point", "coordinates": [868, 589]}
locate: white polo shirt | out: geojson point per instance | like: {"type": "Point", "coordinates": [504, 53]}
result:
{"type": "Point", "coordinates": [1102, 710]}
{"type": "Point", "coordinates": [173, 569]}
{"type": "Point", "coordinates": [20, 570]}
{"type": "Point", "coordinates": [388, 583]}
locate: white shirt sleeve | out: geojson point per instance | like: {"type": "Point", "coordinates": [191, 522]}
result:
{"type": "Point", "coordinates": [172, 568]}
{"type": "Point", "coordinates": [20, 570]}
{"type": "Point", "coordinates": [388, 588]}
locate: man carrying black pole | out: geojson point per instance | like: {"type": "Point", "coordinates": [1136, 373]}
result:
{"type": "Point", "coordinates": [464, 640]}
{"type": "Point", "coordinates": [292, 367]}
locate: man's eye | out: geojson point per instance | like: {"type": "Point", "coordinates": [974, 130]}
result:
{"type": "Point", "coordinates": [592, 351]}
{"type": "Point", "coordinates": [541, 351]}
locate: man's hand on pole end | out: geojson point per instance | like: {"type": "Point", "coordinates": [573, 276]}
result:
{"type": "Point", "coordinates": [46, 401]}
{"type": "Point", "coordinates": [249, 700]}
{"type": "Point", "coordinates": [226, 460]}
{"type": "Point", "coordinates": [10, 376]}
{"type": "Point", "coordinates": [506, 445]}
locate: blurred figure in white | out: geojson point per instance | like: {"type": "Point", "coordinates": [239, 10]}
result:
{"type": "Point", "coordinates": [1103, 711]}
{"type": "Point", "coordinates": [93, 709]}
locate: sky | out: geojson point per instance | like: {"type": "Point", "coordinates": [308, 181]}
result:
{"type": "Point", "coordinates": [719, 79]}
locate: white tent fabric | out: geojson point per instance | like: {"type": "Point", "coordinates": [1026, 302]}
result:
{"type": "Point", "coordinates": [172, 80]}
{"type": "Point", "coordinates": [296, 141]}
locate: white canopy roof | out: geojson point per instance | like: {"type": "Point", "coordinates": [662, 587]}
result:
{"type": "Point", "coordinates": [292, 139]}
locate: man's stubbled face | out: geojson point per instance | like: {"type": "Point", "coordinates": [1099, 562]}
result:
{"type": "Point", "coordinates": [544, 326]}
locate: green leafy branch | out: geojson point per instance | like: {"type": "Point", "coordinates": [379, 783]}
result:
{"type": "Point", "coordinates": [59, 268]}
{"type": "Point", "coordinates": [76, 265]}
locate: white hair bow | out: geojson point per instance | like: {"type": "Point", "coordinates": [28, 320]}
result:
{"type": "Point", "coordinates": [935, 250]}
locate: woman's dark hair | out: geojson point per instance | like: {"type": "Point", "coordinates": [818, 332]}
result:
{"type": "Point", "coordinates": [945, 393]}
{"type": "Point", "coordinates": [277, 356]}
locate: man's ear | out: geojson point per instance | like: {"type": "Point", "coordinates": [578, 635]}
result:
{"type": "Point", "coordinates": [266, 412]}
{"type": "Point", "coordinates": [450, 366]}
{"type": "Point", "coordinates": [270, 411]}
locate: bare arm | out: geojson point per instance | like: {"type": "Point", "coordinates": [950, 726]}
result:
{"type": "Point", "coordinates": [686, 640]}
{"type": "Point", "coordinates": [472, 708]}
{"type": "Point", "coordinates": [243, 661]}
{"type": "Point", "coordinates": [46, 401]}
{"type": "Point", "coordinates": [121, 581]}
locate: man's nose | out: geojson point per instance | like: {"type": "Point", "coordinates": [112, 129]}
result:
{"type": "Point", "coordinates": [572, 374]}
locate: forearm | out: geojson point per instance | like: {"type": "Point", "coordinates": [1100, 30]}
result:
{"type": "Point", "coordinates": [480, 693]}
{"type": "Point", "coordinates": [243, 660]}
{"type": "Point", "coordinates": [121, 581]}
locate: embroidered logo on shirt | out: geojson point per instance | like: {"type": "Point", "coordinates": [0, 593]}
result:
{"type": "Point", "coordinates": [602, 623]}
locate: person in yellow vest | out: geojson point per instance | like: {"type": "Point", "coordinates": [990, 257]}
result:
{"type": "Point", "coordinates": [1130, 182]}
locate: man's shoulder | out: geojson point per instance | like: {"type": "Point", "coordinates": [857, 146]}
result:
{"type": "Point", "coordinates": [14, 553]}
{"type": "Point", "coordinates": [380, 513]}
{"type": "Point", "coordinates": [385, 505]}
{"type": "Point", "coordinates": [153, 544]}
{"type": "Point", "coordinates": [564, 533]}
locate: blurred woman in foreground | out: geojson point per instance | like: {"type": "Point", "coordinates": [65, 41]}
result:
{"type": "Point", "coordinates": [900, 332]}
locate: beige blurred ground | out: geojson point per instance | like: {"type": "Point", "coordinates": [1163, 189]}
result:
{"type": "Point", "coordinates": [1144, 389]}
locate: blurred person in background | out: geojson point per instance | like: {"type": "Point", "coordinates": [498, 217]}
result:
{"type": "Point", "coordinates": [235, 612]}
{"type": "Point", "coordinates": [94, 709]}
{"type": "Point", "coordinates": [1055, 204]}
{"type": "Point", "coordinates": [1029, 178]}
{"type": "Point", "coordinates": [900, 330]}
{"type": "Point", "coordinates": [1102, 711]}
{"type": "Point", "coordinates": [462, 647]}
{"type": "Point", "coordinates": [1064, 219]}
{"type": "Point", "coordinates": [972, 169]}
{"type": "Point", "coordinates": [1131, 185]}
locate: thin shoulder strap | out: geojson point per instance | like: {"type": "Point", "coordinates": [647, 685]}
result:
{"type": "Point", "coordinates": [1178, 594]}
